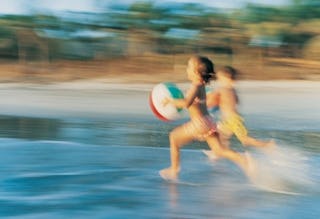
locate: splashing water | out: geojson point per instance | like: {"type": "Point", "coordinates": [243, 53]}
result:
{"type": "Point", "coordinates": [283, 170]}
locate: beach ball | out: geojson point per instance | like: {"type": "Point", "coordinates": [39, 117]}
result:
{"type": "Point", "coordinates": [159, 92]}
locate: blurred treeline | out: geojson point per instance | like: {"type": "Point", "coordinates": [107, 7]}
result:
{"type": "Point", "coordinates": [289, 32]}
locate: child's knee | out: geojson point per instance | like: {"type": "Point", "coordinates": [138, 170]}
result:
{"type": "Point", "coordinates": [173, 138]}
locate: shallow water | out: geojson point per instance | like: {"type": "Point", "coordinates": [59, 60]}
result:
{"type": "Point", "coordinates": [107, 166]}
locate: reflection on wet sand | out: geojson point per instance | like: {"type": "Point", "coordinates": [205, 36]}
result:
{"type": "Point", "coordinates": [29, 128]}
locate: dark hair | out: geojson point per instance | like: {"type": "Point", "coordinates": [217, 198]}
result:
{"type": "Point", "coordinates": [232, 72]}
{"type": "Point", "coordinates": [205, 68]}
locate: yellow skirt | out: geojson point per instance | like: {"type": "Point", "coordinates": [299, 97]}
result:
{"type": "Point", "coordinates": [233, 125]}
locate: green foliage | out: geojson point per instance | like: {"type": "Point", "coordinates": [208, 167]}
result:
{"type": "Point", "coordinates": [256, 13]}
{"type": "Point", "coordinates": [146, 24]}
{"type": "Point", "coordinates": [306, 9]}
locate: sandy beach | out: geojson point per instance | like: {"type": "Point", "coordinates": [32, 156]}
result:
{"type": "Point", "coordinates": [102, 97]}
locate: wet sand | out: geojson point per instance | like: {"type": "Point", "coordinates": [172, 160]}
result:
{"type": "Point", "coordinates": [103, 165]}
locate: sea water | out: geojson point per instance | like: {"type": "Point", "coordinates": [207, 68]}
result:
{"type": "Point", "coordinates": [106, 166]}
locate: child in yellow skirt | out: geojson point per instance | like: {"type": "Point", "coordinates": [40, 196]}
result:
{"type": "Point", "coordinates": [231, 122]}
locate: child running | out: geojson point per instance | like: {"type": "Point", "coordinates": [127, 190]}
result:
{"type": "Point", "coordinates": [231, 122]}
{"type": "Point", "coordinates": [201, 125]}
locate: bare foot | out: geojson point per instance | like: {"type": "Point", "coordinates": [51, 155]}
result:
{"type": "Point", "coordinates": [169, 174]}
{"type": "Point", "coordinates": [210, 154]}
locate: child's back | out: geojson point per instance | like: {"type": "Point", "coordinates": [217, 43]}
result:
{"type": "Point", "coordinates": [228, 101]}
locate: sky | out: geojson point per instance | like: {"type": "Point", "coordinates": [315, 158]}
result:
{"type": "Point", "coordinates": [24, 6]}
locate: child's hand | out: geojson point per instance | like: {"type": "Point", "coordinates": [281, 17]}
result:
{"type": "Point", "coordinates": [166, 100]}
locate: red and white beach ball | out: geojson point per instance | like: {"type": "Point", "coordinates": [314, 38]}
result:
{"type": "Point", "coordinates": [159, 92]}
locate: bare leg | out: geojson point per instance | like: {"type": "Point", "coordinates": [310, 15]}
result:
{"type": "Point", "coordinates": [249, 141]}
{"type": "Point", "coordinates": [224, 142]}
{"type": "Point", "coordinates": [178, 137]}
{"type": "Point", "coordinates": [242, 161]}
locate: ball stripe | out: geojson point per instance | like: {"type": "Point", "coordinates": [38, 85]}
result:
{"type": "Point", "coordinates": [155, 111]}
